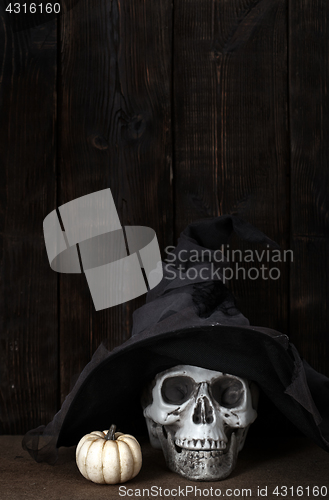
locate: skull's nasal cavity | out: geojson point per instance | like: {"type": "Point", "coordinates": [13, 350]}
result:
{"type": "Point", "coordinates": [203, 412]}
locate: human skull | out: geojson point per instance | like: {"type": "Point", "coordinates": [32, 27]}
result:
{"type": "Point", "coordinates": [200, 419]}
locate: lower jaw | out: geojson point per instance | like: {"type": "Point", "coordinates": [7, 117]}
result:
{"type": "Point", "coordinates": [202, 465]}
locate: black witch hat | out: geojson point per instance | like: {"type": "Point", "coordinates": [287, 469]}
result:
{"type": "Point", "coordinates": [190, 318]}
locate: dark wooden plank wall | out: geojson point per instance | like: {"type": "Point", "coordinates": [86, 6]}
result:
{"type": "Point", "coordinates": [115, 132]}
{"type": "Point", "coordinates": [230, 91]}
{"type": "Point", "coordinates": [309, 123]}
{"type": "Point", "coordinates": [185, 110]}
{"type": "Point", "coordinates": [29, 320]}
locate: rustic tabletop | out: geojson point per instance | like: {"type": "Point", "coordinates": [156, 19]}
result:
{"type": "Point", "coordinates": [295, 468]}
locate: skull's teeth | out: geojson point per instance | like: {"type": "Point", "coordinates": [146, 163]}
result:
{"type": "Point", "coordinates": [201, 444]}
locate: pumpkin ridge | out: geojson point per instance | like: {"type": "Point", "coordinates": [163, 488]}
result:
{"type": "Point", "coordinates": [134, 464]}
{"type": "Point", "coordinates": [137, 466]}
{"type": "Point", "coordinates": [86, 458]}
{"type": "Point", "coordinates": [103, 461]}
{"type": "Point", "coordinates": [131, 453]}
{"type": "Point", "coordinates": [118, 454]}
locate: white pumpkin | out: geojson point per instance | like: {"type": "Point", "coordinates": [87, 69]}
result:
{"type": "Point", "coordinates": [109, 457]}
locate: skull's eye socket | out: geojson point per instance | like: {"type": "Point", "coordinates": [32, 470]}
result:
{"type": "Point", "coordinates": [228, 392]}
{"type": "Point", "coordinates": [177, 390]}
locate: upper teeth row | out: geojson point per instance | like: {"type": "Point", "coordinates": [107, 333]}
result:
{"type": "Point", "coordinates": [201, 444]}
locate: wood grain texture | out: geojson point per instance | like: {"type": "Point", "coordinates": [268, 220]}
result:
{"type": "Point", "coordinates": [231, 142]}
{"type": "Point", "coordinates": [186, 110]}
{"type": "Point", "coordinates": [29, 329]}
{"type": "Point", "coordinates": [116, 133]}
{"type": "Point", "coordinates": [309, 123]}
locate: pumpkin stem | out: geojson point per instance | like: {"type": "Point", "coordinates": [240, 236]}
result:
{"type": "Point", "coordinates": [111, 433]}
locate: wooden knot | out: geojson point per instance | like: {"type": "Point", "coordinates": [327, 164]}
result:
{"type": "Point", "coordinates": [99, 142]}
{"type": "Point", "coordinates": [136, 126]}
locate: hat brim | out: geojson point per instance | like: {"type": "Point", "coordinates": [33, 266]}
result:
{"type": "Point", "coordinates": [110, 392]}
